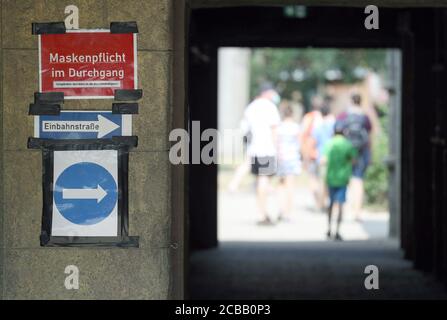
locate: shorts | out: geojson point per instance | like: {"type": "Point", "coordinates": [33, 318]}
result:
{"type": "Point", "coordinates": [337, 194]}
{"type": "Point", "coordinates": [312, 168]}
{"type": "Point", "coordinates": [361, 164]}
{"type": "Point", "coordinates": [288, 167]}
{"type": "Point", "coordinates": [263, 166]}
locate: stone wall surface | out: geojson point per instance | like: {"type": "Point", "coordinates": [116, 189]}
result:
{"type": "Point", "coordinates": [30, 271]}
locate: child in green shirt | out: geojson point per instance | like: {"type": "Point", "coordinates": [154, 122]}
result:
{"type": "Point", "coordinates": [339, 155]}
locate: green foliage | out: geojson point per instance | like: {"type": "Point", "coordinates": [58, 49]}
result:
{"type": "Point", "coordinates": [376, 178]}
{"type": "Point", "coordinates": [305, 69]}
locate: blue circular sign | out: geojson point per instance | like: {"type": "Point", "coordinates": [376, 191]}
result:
{"type": "Point", "coordinates": [85, 193]}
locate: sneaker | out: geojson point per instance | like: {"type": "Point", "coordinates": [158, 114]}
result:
{"type": "Point", "coordinates": [282, 218]}
{"type": "Point", "coordinates": [328, 234]}
{"type": "Point", "coordinates": [265, 222]}
{"type": "Point", "coordinates": [338, 237]}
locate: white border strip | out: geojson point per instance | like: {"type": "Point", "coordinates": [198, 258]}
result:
{"type": "Point", "coordinates": [36, 126]}
{"type": "Point", "coordinates": [135, 57]}
{"type": "Point", "coordinates": [126, 129]}
{"type": "Point", "coordinates": [87, 97]}
{"type": "Point", "coordinates": [86, 30]}
{"type": "Point", "coordinates": [40, 62]}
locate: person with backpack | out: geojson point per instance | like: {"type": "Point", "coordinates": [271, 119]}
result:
{"type": "Point", "coordinates": [357, 129]}
{"type": "Point", "coordinates": [322, 135]}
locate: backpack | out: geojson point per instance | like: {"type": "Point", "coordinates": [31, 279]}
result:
{"type": "Point", "coordinates": [355, 130]}
{"type": "Point", "coordinates": [308, 143]}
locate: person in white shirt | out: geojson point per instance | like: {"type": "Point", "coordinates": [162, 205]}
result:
{"type": "Point", "coordinates": [262, 118]}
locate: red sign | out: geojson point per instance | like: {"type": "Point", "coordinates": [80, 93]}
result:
{"type": "Point", "coordinates": [87, 64]}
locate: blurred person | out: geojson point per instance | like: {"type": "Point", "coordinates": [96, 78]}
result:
{"type": "Point", "coordinates": [296, 100]}
{"type": "Point", "coordinates": [339, 155]}
{"type": "Point", "coordinates": [357, 128]}
{"type": "Point", "coordinates": [322, 134]}
{"type": "Point", "coordinates": [312, 120]}
{"type": "Point", "coordinates": [241, 171]}
{"type": "Point", "coordinates": [262, 118]}
{"type": "Point", "coordinates": [244, 168]}
{"type": "Point", "coordinates": [289, 162]}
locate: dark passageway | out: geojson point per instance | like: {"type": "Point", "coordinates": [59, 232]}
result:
{"type": "Point", "coordinates": [307, 270]}
{"type": "Point", "coordinates": [414, 266]}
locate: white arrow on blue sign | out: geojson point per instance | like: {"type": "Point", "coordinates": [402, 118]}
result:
{"type": "Point", "coordinates": [85, 193]}
{"type": "Point", "coordinates": [82, 125]}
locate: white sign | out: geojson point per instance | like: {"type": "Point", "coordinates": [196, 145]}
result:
{"type": "Point", "coordinates": [85, 193]}
{"type": "Point", "coordinates": [82, 125]}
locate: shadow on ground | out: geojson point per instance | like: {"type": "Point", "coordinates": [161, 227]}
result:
{"type": "Point", "coordinates": [306, 270]}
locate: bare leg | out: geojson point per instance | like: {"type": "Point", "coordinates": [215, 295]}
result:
{"type": "Point", "coordinates": [282, 196]}
{"type": "Point", "coordinates": [340, 217]}
{"type": "Point", "coordinates": [287, 201]}
{"type": "Point", "coordinates": [239, 174]}
{"type": "Point", "coordinates": [323, 194]}
{"type": "Point", "coordinates": [262, 194]}
{"type": "Point", "coordinates": [331, 205]}
{"type": "Point", "coordinates": [315, 187]}
{"type": "Point", "coordinates": [357, 191]}
{"type": "Point", "coordinates": [290, 185]}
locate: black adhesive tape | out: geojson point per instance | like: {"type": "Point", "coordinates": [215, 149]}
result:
{"type": "Point", "coordinates": [119, 241]}
{"type": "Point", "coordinates": [128, 95]}
{"type": "Point", "coordinates": [130, 141]}
{"type": "Point", "coordinates": [48, 28]}
{"type": "Point", "coordinates": [48, 97]}
{"type": "Point", "coordinates": [122, 240]}
{"type": "Point", "coordinates": [125, 108]}
{"type": "Point", "coordinates": [124, 27]}
{"type": "Point", "coordinates": [114, 143]}
{"type": "Point", "coordinates": [36, 109]}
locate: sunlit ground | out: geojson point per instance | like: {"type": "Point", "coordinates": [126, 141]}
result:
{"type": "Point", "coordinates": [237, 216]}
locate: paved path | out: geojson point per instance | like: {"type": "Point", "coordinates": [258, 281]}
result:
{"type": "Point", "coordinates": [237, 219]}
{"type": "Point", "coordinates": [294, 260]}
{"type": "Point", "coordinates": [306, 270]}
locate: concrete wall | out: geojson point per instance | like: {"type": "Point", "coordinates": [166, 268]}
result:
{"type": "Point", "coordinates": [1, 156]}
{"type": "Point", "coordinates": [30, 271]}
{"type": "Point", "coordinates": [233, 97]}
